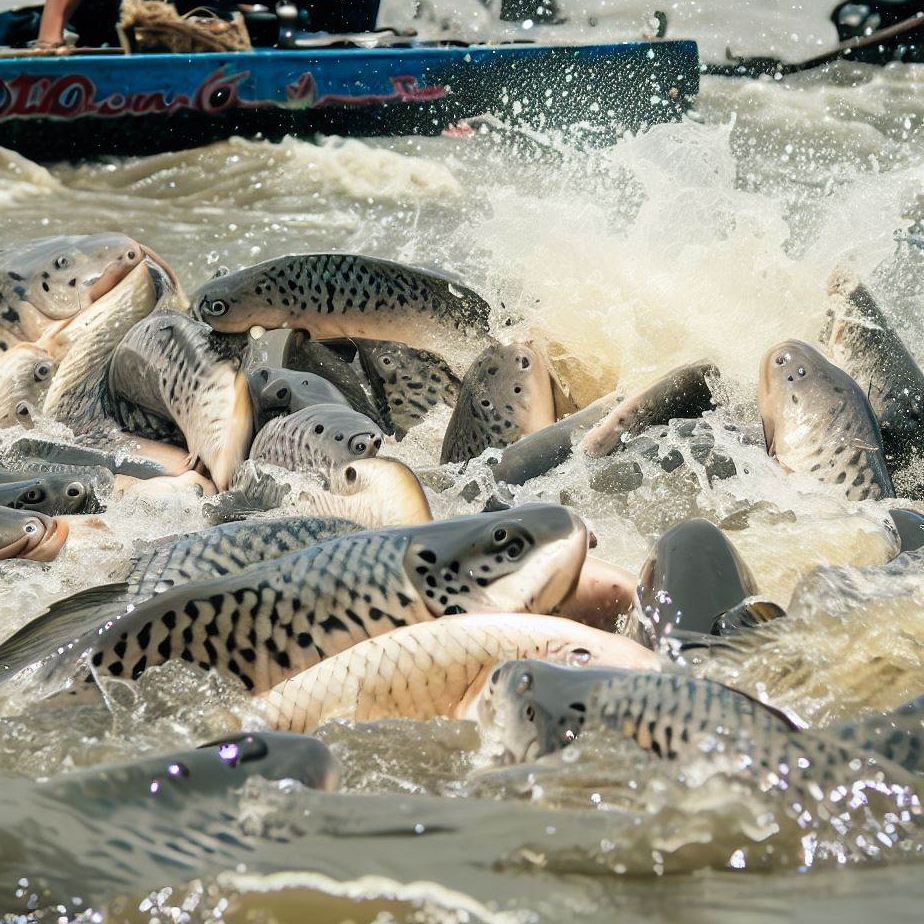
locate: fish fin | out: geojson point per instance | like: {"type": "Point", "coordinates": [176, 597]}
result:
{"type": "Point", "coordinates": [61, 625]}
{"type": "Point", "coordinates": [748, 614]}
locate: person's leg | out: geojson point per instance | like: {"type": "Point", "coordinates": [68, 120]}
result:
{"type": "Point", "coordinates": [55, 17]}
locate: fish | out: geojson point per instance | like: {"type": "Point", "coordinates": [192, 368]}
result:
{"type": "Point", "coordinates": [282, 616]}
{"type": "Point", "coordinates": [909, 524]}
{"type": "Point", "coordinates": [52, 494]}
{"type": "Point", "coordinates": [332, 295]}
{"type": "Point", "coordinates": [173, 367]}
{"type": "Point", "coordinates": [54, 278]}
{"type": "Point", "coordinates": [437, 668]}
{"type": "Point", "coordinates": [34, 454]}
{"type": "Point", "coordinates": [45, 651]}
{"type": "Point", "coordinates": [683, 392]}
{"type": "Point", "coordinates": [26, 370]}
{"type": "Point", "coordinates": [694, 583]}
{"type": "Point", "coordinates": [408, 382]}
{"type": "Point", "coordinates": [506, 394]}
{"type": "Point", "coordinates": [331, 360]}
{"type": "Point", "coordinates": [150, 816]}
{"type": "Point", "coordinates": [30, 535]}
{"type": "Point", "coordinates": [863, 343]}
{"type": "Point", "coordinates": [538, 453]}
{"type": "Point", "coordinates": [276, 392]}
{"type": "Point", "coordinates": [317, 439]}
{"type": "Point", "coordinates": [78, 394]}
{"type": "Point", "coordinates": [532, 709]}
{"type": "Point", "coordinates": [817, 421]}
{"type": "Point", "coordinates": [372, 492]}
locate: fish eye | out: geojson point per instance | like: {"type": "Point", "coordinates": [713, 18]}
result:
{"type": "Point", "coordinates": [23, 409]}
{"type": "Point", "coordinates": [215, 308]}
{"type": "Point", "coordinates": [386, 360]}
{"type": "Point", "coordinates": [801, 370]}
{"type": "Point", "coordinates": [783, 358]}
{"type": "Point", "coordinates": [41, 371]}
{"type": "Point", "coordinates": [500, 535]}
{"type": "Point", "coordinates": [524, 684]}
{"type": "Point", "coordinates": [75, 489]}
{"type": "Point", "coordinates": [62, 263]}
{"type": "Point", "coordinates": [578, 657]}
{"type": "Point", "coordinates": [34, 496]}
{"type": "Point", "coordinates": [30, 528]}
{"type": "Point", "coordinates": [131, 255]}
{"type": "Point", "coordinates": [514, 549]}
{"type": "Point", "coordinates": [359, 448]}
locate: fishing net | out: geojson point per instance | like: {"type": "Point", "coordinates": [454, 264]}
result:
{"type": "Point", "coordinates": [155, 26]}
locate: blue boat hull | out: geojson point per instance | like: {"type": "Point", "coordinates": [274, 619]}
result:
{"type": "Point", "coordinates": [88, 106]}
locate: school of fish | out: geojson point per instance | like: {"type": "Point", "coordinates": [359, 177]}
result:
{"type": "Point", "coordinates": [327, 586]}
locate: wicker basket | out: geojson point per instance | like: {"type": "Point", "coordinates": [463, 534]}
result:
{"type": "Point", "coordinates": [155, 26]}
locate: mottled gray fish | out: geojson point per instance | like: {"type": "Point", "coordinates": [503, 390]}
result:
{"type": "Point", "coordinates": [41, 455]}
{"type": "Point", "coordinates": [505, 395]}
{"type": "Point", "coordinates": [317, 439]}
{"type": "Point", "coordinates": [408, 381]}
{"type": "Point", "coordinates": [280, 617]}
{"type": "Point", "coordinates": [864, 344]}
{"type": "Point", "coordinates": [25, 374]}
{"type": "Point", "coordinates": [345, 295]}
{"type": "Point", "coordinates": [171, 366]}
{"type": "Point", "coordinates": [52, 639]}
{"type": "Point", "coordinates": [817, 421]}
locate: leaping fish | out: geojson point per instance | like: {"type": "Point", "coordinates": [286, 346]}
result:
{"type": "Point", "coordinates": [333, 295]}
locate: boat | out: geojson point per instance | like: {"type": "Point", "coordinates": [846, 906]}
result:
{"type": "Point", "coordinates": [95, 104]}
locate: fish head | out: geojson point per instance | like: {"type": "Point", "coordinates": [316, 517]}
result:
{"type": "Point", "coordinates": [256, 296]}
{"type": "Point", "coordinates": [25, 374]}
{"type": "Point", "coordinates": [523, 560]}
{"type": "Point", "coordinates": [691, 577]}
{"type": "Point", "coordinates": [346, 433]}
{"type": "Point", "coordinates": [387, 488]}
{"type": "Point", "coordinates": [59, 276]}
{"type": "Point", "coordinates": [515, 386]}
{"type": "Point", "coordinates": [51, 492]}
{"type": "Point", "coordinates": [792, 374]}
{"type": "Point", "coordinates": [34, 536]}
{"type": "Point", "coordinates": [532, 708]}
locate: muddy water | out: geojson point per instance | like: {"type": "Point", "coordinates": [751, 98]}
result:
{"type": "Point", "coordinates": [710, 239]}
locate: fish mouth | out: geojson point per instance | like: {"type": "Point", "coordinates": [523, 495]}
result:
{"type": "Point", "coordinates": [43, 543]}
{"type": "Point", "coordinates": [168, 271]}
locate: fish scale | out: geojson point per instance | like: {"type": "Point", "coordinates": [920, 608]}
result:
{"type": "Point", "coordinates": [434, 668]}
{"type": "Point", "coordinates": [304, 605]}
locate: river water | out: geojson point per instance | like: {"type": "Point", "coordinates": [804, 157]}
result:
{"type": "Point", "coordinates": [713, 238]}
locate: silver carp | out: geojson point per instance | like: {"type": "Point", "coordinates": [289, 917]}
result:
{"type": "Point", "coordinates": [817, 421]}
{"type": "Point", "coordinates": [51, 493]}
{"type": "Point", "coordinates": [505, 395]}
{"type": "Point", "coordinates": [171, 366]}
{"type": "Point", "coordinates": [333, 295]}
{"type": "Point", "coordinates": [30, 535]}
